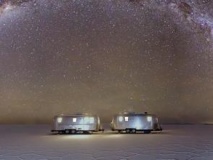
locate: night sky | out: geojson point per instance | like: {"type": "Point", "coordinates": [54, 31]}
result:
{"type": "Point", "coordinates": [104, 57]}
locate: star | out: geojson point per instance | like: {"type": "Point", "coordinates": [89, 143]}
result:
{"type": "Point", "coordinates": [105, 57]}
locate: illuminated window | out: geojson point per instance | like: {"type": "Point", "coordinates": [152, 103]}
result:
{"type": "Point", "coordinates": [149, 118]}
{"type": "Point", "coordinates": [59, 119]}
{"type": "Point", "coordinates": [120, 119]}
{"type": "Point", "coordinates": [126, 118]}
{"type": "Point", "coordinates": [74, 119]}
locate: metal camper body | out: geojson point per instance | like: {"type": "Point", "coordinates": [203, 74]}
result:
{"type": "Point", "coordinates": [76, 123]}
{"type": "Point", "coordinates": [132, 122]}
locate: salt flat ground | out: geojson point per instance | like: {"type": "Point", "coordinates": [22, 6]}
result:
{"type": "Point", "coordinates": [176, 142]}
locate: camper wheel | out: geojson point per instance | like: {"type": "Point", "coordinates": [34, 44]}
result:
{"type": "Point", "coordinates": [127, 131]}
{"type": "Point", "coordinates": [73, 131]}
{"type": "Point", "coordinates": [133, 130]}
{"type": "Point", "coordinates": [86, 132]}
{"type": "Point", "coordinates": [147, 132]}
{"type": "Point", "coordinates": [67, 131]}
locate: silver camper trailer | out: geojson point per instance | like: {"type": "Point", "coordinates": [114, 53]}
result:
{"type": "Point", "coordinates": [133, 122]}
{"type": "Point", "coordinates": [76, 123]}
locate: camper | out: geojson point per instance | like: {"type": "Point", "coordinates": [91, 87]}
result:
{"type": "Point", "coordinates": [132, 122]}
{"type": "Point", "coordinates": [76, 123]}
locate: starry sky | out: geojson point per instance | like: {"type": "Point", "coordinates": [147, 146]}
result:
{"type": "Point", "coordinates": [104, 57]}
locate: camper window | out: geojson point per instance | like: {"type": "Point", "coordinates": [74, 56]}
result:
{"type": "Point", "coordinates": [74, 119]}
{"type": "Point", "coordinates": [149, 118]}
{"type": "Point", "coordinates": [120, 118]}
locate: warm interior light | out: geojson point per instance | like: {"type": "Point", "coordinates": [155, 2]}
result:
{"type": "Point", "coordinates": [120, 119]}
{"type": "Point", "coordinates": [74, 119]}
{"type": "Point", "coordinates": [59, 119]}
{"type": "Point", "coordinates": [149, 118]}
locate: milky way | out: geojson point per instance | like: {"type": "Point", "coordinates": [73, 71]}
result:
{"type": "Point", "coordinates": [106, 56]}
